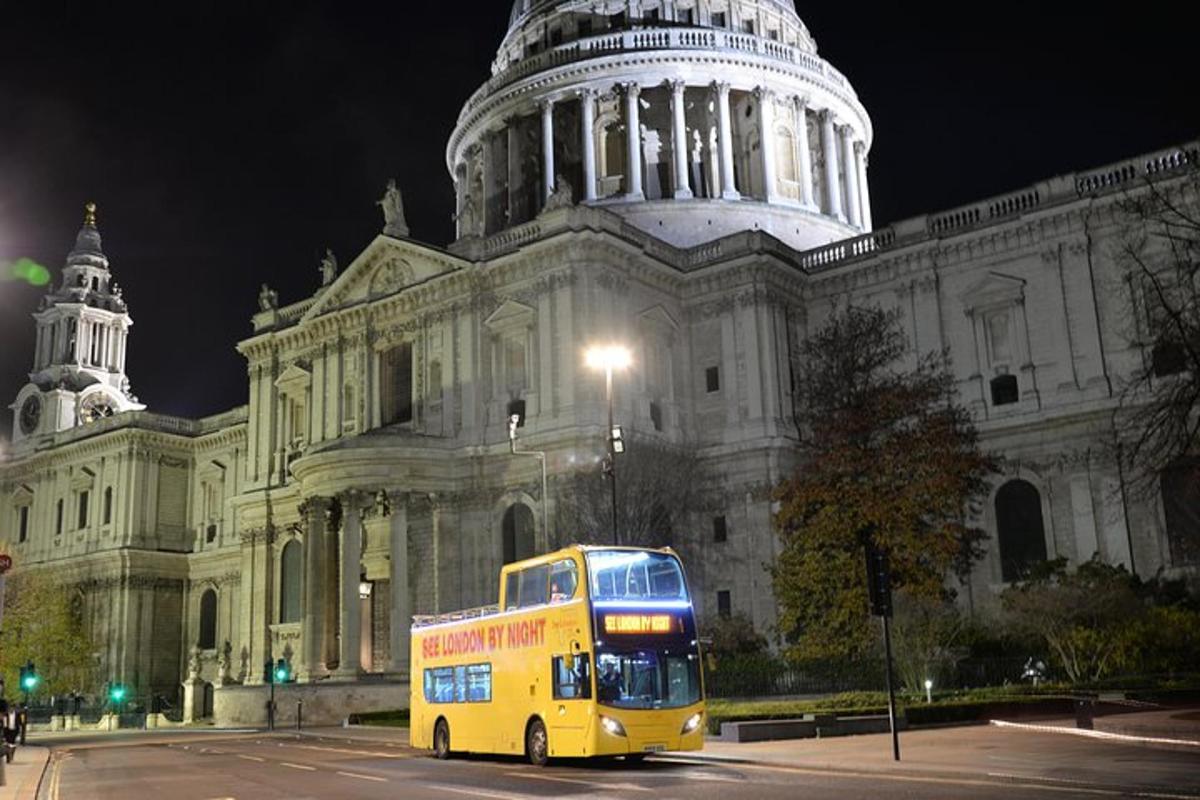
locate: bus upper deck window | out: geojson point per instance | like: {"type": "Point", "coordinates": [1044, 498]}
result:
{"type": "Point", "coordinates": [564, 577]}
{"type": "Point", "coordinates": [511, 594]}
{"type": "Point", "coordinates": [534, 585]}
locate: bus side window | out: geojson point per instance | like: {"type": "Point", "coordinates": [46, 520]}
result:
{"type": "Point", "coordinates": [535, 585]}
{"type": "Point", "coordinates": [572, 681]}
{"type": "Point", "coordinates": [511, 595]}
{"type": "Point", "coordinates": [564, 576]}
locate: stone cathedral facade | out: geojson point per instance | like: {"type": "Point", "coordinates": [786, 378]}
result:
{"type": "Point", "coordinates": [686, 177]}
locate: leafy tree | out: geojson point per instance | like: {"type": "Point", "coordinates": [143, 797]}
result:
{"type": "Point", "coordinates": [888, 455]}
{"type": "Point", "coordinates": [929, 636]}
{"type": "Point", "coordinates": [1157, 421]}
{"type": "Point", "coordinates": [657, 483]}
{"type": "Point", "coordinates": [732, 636]}
{"type": "Point", "coordinates": [1085, 616]}
{"type": "Point", "coordinates": [42, 624]}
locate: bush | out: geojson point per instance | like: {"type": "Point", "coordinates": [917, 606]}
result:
{"type": "Point", "coordinates": [389, 719]}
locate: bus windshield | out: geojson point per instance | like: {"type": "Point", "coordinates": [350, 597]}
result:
{"type": "Point", "coordinates": [631, 575]}
{"type": "Point", "coordinates": [647, 678]}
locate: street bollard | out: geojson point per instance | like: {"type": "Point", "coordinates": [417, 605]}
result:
{"type": "Point", "coordinates": [1085, 712]}
{"type": "Point", "coordinates": [299, 714]}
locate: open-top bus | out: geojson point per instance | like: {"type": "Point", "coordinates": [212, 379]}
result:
{"type": "Point", "coordinates": [591, 651]}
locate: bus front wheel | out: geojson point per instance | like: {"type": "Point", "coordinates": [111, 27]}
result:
{"type": "Point", "coordinates": [537, 744]}
{"type": "Point", "coordinates": [441, 740]}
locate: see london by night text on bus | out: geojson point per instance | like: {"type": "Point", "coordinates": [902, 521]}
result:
{"type": "Point", "coordinates": [591, 651]}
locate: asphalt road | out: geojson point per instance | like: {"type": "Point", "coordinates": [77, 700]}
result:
{"type": "Point", "coordinates": [262, 767]}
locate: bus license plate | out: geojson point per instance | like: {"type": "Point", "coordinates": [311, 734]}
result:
{"type": "Point", "coordinates": [654, 748]}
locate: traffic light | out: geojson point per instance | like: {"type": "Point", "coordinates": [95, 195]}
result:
{"type": "Point", "coordinates": [116, 693]}
{"type": "Point", "coordinates": [29, 677]}
{"type": "Point", "coordinates": [879, 582]}
{"type": "Point", "coordinates": [283, 673]}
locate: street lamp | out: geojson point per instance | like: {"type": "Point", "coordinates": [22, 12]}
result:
{"type": "Point", "coordinates": [608, 358]}
{"type": "Point", "coordinates": [514, 422]}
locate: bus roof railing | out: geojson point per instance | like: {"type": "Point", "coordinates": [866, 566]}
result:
{"type": "Point", "coordinates": [424, 620]}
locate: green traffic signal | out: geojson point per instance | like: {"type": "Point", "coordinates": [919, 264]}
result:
{"type": "Point", "coordinates": [116, 693]}
{"type": "Point", "coordinates": [281, 671]}
{"type": "Point", "coordinates": [29, 677]}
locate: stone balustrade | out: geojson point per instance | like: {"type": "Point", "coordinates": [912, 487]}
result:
{"type": "Point", "coordinates": [662, 39]}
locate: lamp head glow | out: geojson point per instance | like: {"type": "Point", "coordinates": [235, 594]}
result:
{"type": "Point", "coordinates": [928, 683]}
{"type": "Point", "coordinates": [607, 357]}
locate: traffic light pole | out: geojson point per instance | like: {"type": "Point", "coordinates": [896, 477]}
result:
{"type": "Point", "coordinates": [887, 648]}
{"type": "Point", "coordinates": [271, 705]}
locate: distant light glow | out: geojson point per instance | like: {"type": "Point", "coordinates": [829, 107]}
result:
{"type": "Point", "coordinates": [25, 269]}
{"type": "Point", "coordinates": [607, 357]}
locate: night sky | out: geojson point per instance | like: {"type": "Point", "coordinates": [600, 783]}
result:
{"type": "Point", "coordinates": [228, 149]}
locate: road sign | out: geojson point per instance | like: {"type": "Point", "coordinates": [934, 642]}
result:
{"type": "Point", "coordinates": [5, 563]}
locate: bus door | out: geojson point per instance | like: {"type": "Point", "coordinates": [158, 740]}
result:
{"type": "Point", "coordinates": [570, 697]}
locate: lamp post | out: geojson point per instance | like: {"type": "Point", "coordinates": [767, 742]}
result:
{"type": "Point", "coordinates": [608, 358]}
{"type": "Point", "coordinates": [514, 420]}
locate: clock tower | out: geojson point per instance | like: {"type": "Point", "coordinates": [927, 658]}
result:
{"type": "Point", "coordinates": [79, 360]}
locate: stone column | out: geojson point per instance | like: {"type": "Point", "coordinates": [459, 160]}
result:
{"type": "Point", "coordinates": [850, 170]}
{"type": "Point", "coordinates": [725, 136]}
{"type": "Point", "coordinates": [350, 618]}
{"type": "Point", "coordinates": [401, 616]}
{"type": "Point", "coordinates": [587, 116]}
{"type": "Point", "coordinates": [864, 194]}
{"type": "Point", "coordinates": [633, 138]}
{"type": "Point", "coordinates": [679, 140]}
{"type": "Point", "coordinates": [833, 189]}
{"type": "Point", "coordinates": [766, 133]}
{"type": "Point", "coordinates": [315, 512]}
{"type": "Point", "coordinates": [547, 107]}
{"type": "Point", "coordinates": [806, 175]}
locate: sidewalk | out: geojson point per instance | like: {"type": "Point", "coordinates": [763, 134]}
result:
{"type": "Point", "coordinates": [24, 773]}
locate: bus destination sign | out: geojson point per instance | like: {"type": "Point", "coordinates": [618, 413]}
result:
{"type": "Point", "coordinates": [639, 623]}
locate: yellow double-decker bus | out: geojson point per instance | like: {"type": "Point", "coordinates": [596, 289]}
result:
{"type": "Point", "coordinates": [592, 651]}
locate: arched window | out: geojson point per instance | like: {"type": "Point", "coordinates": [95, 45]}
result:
{"type": "Point", "coordinates": [289, 583]}
{"type": "Point", "coordinates": [207, 639]}
{"type": "Point", "coordinates": [1020, 531]}
{"type": "Point", "coordinates": [517, 533]}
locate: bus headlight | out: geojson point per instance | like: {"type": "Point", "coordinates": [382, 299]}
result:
{"type": "Point", "coordinates": [612, 726]}
{"type": "Point", "coordinates": [692, 723]}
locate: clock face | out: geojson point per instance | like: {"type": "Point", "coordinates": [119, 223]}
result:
{"type": "Point", "coordinates": [31, 414]}
{"type": "Point", "coordinates": [96, 406]}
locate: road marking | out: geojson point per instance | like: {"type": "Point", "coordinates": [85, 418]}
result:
{"type": "Point", "coordinates": [345, 750]}
{"type": "Point", "coordinates": [1105, 735]}
{"type": "Point", "coordinates": [362, 777]}
{"type": "Point", "coordinates": [477, 792]}
{"type": "Point", "coordinates": [628, 787]}
{"type": "Point", "coordinates": [250, 758]}
{"type": "Point", "coordinates": [297, 766]}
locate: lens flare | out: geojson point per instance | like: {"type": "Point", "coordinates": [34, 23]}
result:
{"type": "Point", "coordinates": [25, 269]}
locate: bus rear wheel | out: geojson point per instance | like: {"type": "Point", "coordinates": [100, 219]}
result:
{"type": "Point", "coordinates": [441, 740]}
{"type": "Point", "coordinates": [537, 744]}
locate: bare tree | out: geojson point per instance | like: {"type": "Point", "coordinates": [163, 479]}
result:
{"type": "Point", "coordinates": [658, 485]}
{"type": "Point", "coordinates": [1157, 421]}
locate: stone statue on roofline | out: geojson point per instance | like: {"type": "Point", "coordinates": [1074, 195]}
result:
{"type": "Point", "coordinates": [468, 218]}
{"type": "Point", "coordinates": [563, 196]}
{"type": "Point", "coordinates": [329, 268]}
{"type": "Point", "coordinates": [268, 298]}
{"type": "Point", "coordinates": [392, 204]}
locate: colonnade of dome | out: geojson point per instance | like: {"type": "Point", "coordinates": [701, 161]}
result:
{"type": "Point", "coordinates": [722, 107]}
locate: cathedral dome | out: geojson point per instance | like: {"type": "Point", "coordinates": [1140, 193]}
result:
{"type": "Point", "coordinates": [729, 118]}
